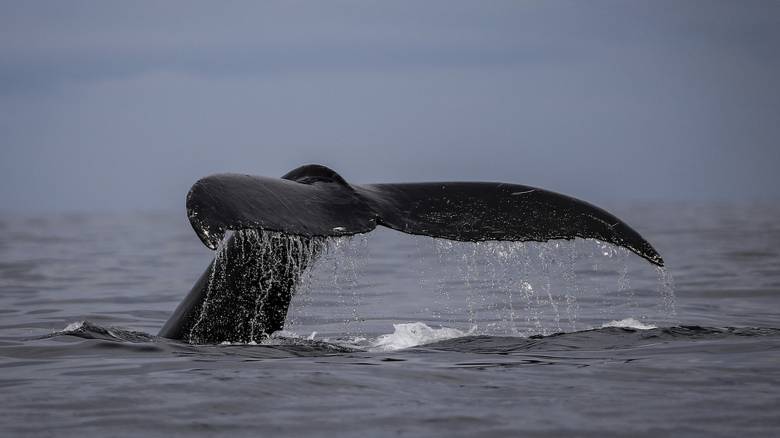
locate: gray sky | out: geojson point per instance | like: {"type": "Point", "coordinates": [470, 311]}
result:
{"type": "Point", "coordinates": [123, 105]}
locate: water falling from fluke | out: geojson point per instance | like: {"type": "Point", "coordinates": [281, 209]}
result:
{"type": "Point", "coordinates": [244, 295]}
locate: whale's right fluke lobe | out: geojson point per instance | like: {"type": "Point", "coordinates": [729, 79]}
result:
{"type": "Point", "coordinates": [479, 211]}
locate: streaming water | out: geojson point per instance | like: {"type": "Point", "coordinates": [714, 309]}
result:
{"type": "Point", "coordinates": [390, 334]}
{"type": "Point", "coordinates": [482, 286]}
{"type": "Point", "coordinates": [253, 274]}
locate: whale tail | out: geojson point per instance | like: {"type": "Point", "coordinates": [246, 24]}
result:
{"type": "Point", "coordinates": [245, 292]}
{"type": "Point", "coordinates": [313, 200]}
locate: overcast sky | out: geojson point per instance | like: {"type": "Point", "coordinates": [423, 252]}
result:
{"type": "Point", "coordinates": [123, 105]}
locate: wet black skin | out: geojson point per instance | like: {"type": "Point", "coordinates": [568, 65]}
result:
{"type": "Point", "coordinates": [245, 292]}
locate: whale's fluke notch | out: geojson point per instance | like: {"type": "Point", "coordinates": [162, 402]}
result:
{"type": "Point", "coordinates": [314, 200]}
{"type": "Point", "coordinates": [280, 227]}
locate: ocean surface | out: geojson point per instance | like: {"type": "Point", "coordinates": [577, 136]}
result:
{"type": "Point", "coordinates": [398, 335]}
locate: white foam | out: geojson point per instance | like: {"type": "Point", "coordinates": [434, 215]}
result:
{"type": "Point", "coordinates": [629, 323]}
{"type": "Point", "coordinates": [413, 334]}
{"type": "Point", "coordinates": [238, 343]}
{"type": "Point", "coordinates": [72, 327]}
{"type": "Point", "coordinates": [286, 334]}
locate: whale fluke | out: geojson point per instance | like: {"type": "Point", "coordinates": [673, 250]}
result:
{"type": "Point", "coordinates": [313, 200]}
{"type": "Point", "coordinates": [281, 224]}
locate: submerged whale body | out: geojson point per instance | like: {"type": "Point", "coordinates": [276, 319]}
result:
{"type": "Point", "coordinates": [281, 226]}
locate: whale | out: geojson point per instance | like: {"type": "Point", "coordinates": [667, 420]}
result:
{"type": "Point", "coordinates": [267, 231]}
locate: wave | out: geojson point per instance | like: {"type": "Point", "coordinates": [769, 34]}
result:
{"type": "Point", "coordinates": [615, 335]}
{"type": "Point", "coordinates": [88, 330]}
{"type": "Point", "coordinates": [607, 339]}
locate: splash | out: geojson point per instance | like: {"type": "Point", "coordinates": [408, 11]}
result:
{"type": "Point", "coordinates": [629, 323]}
{"type": "Point", "coordinates": [414, 334]}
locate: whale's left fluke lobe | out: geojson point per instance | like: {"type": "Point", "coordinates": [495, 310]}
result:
{"type": "Point", "coordinates": [309, 207]}
{"type": "Point", "coordinates": [282, 224]}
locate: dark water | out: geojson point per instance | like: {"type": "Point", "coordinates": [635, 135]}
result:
{"type": "Point", "coordinates": [563, 338]}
